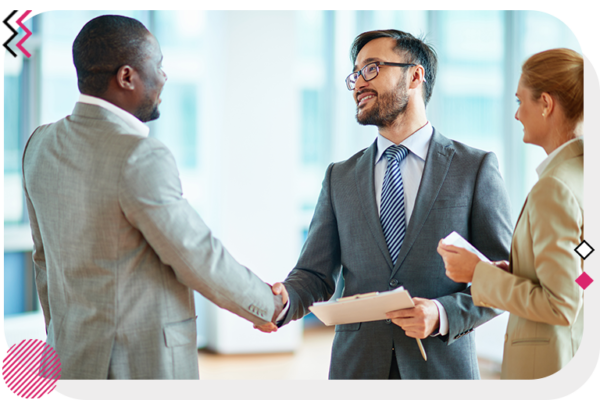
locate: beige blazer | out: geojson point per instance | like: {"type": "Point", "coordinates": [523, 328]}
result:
{"type": "Point", "coordinates": [545, 303]}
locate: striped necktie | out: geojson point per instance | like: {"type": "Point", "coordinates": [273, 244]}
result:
{"type": "Point", "coordinates": [393, 220]}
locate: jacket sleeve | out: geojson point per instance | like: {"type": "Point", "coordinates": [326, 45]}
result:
{"type": "Point", "coordinates": [39, 258]}
{"type": "Point", "coordinates": [314, 276]}
{"type": "Point", "coordinates": [39, 262]}
{"type": "Point", "coordinates": [556, 228]}
{"type": "Point", "coordinates": [151, 199]}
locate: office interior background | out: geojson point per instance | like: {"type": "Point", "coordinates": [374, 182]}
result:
{"type": "Point", "coordinates": [254, 109]}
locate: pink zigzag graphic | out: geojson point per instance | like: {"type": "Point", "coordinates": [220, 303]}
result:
{"type": "Point", "coordinates": [20, 23]}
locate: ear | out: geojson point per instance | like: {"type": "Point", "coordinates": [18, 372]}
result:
{"type": "Point", "coordinates": [126, 77]}
{"type": "Point", "coordinates": [548, 104]}
{"type": "Point", "coordinates": [417, 77]}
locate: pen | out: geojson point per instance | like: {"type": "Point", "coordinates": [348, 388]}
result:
{"type": "Point", "coordinates": [422, 349]}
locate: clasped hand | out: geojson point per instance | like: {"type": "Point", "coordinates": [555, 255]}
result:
{"type": "Point", "coordinates": [269, 327]}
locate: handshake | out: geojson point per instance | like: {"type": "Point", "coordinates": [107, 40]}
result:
{"type": "Point", "coordinates": [278, 289]}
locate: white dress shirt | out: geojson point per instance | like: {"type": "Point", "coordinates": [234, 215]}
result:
{"type": "Point", "coordinates": [411, 169]}
{"type": "Point", "coordinates": [138, 126]}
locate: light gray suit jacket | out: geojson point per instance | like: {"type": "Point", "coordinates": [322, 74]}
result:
{"type": "Point", "coordinates": [461, 190]}
{"type": "Point", "coordinates": [118, 252]}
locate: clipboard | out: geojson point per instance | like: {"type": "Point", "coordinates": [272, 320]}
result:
{"type": "Point", "coordinates": [364, 308]}
{"type": "Point", "coordinates": [361, 308]}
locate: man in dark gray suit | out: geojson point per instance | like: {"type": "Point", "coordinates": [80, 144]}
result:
{"type": "Point", "coordinates": [118, 250]}
{"type": "Point", "coordinates": [380, 216]}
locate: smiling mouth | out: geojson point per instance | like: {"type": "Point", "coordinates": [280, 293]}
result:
{"type": "Point", "coordinates": [365, 99]}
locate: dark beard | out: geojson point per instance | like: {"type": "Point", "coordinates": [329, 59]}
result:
{"type": "Point", "coordinates": [148, 111]}
{"type": "Point", "coordinates": [388, 107]}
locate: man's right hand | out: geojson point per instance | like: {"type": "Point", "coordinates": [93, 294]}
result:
{"type": "Point", "coordinates": [279, 292]}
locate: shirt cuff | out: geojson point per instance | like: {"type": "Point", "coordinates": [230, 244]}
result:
{"type": "Point", "coordinates": [443, 329]}
{"type": "Point", "coordinates": [283, 312]}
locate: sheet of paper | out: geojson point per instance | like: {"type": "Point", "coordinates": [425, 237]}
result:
{"type": "Point", "coordinates": [456, 240]}
{"type": "Point", "coordinates": [370, 307]}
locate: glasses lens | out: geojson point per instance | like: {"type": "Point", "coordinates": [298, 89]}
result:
{"type": "Point", "coordinates": [370, 71]}
{"type": "Point", "coordinates": [351, 80]}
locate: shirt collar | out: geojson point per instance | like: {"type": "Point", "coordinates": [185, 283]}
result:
{"type": "Point", "coordinates": [417, 143]}
{"type": "Point", "coordinates": [540, 169]}
{"type": "Point", "coordinates": [138, 126]}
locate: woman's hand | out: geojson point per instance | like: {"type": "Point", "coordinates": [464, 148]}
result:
{"type": "Point", "coordinates": [460, 263]}
{"type": "Point", "coordinates": [504, 265]}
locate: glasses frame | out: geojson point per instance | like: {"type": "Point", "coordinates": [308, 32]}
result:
{"type": "Point", "coordinates": [377, 65]}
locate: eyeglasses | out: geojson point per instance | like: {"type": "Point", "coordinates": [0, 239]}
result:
{"type": "Point", "coordinates": [370, 72]}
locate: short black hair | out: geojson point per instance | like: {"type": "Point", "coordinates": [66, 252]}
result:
{"type": "Point", "coordinates": [417, 51]}
{"type": "Point", "coordinates": [104, 45]}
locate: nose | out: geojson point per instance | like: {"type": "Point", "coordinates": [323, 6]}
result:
{"type": "Point", "coordinates": [517, 115]}
{"type": "Point", "coordinates": [360, 84]}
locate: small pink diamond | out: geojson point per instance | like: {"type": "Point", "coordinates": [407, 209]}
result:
{"type": "Point", "coordinates": [584, 281]}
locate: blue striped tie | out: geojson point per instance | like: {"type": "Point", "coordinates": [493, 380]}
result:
{"type": "Point", "coordinates": [393, 220]}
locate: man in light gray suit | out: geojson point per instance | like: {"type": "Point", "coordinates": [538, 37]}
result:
{"type": "Point", "coordinates": [117, 249]}
{"type": "Point", "coordinates": [379, 219]}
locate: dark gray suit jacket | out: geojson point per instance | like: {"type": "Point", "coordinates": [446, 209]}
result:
{"type": "Point", "coordinates": [461, 190]}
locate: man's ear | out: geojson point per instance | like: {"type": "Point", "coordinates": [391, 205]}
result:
{"type": "Point", "coordinates": [417, 77]}
{"type": "Point", "coordinates": [125, 77]}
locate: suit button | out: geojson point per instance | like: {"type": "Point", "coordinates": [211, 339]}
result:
{"type": "Point", "coordinates": [388, 321]}
{"type": "Point", "coordinates": [394, 282]}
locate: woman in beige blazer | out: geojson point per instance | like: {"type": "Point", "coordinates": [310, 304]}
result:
{"type": "Point", "coordinates": [537, 285]}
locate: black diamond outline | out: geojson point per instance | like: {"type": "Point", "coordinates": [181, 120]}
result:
{"type": "Point", "coordinates": [580, 255]}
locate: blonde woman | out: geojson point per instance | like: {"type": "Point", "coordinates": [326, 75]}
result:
{"type": "Point", "coordinates": [537, 285]}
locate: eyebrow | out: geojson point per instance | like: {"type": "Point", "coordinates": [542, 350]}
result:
{"type": "Point", "coordinates": [367, 61]}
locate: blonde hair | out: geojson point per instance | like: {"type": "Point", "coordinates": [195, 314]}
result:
{"type": "Point", "coordinates": [558, 72]}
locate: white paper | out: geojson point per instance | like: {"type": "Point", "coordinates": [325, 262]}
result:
{"type": "Point", "coordinates": [371, 308]}
{"type": "Point", "coordinates": [456, 240]}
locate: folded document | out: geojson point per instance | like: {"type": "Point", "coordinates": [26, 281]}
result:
{"type": "Point", "coordinates": [456, 240]}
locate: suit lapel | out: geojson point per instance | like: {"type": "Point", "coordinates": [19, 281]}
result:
{"type": "Point", "coordinates": [439, 157]}
{"type": "Point", "coordinates": [510, 269]}
{"type": "Point", "coordinates": [365, 183]}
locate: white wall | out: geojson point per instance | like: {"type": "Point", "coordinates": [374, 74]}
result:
{"type": "Point", "coordinates": [252, 149]}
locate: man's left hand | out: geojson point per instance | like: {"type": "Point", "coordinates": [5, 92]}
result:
{"type": "Point", "coordinates": [418, 322]}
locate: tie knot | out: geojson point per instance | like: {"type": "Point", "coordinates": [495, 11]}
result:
{"type": "Point", "coordinates": [397, 153]}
